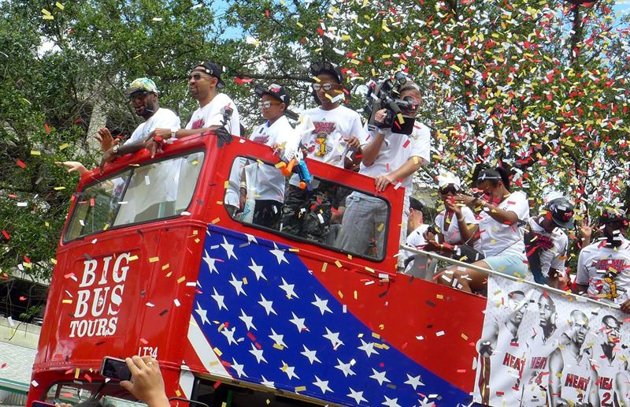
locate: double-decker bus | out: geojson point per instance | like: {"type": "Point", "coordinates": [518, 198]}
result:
{"type": "Point", "coordinates": [151, 262]}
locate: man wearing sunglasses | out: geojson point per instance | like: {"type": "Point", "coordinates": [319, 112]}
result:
{"type": "Point", "coordinates": [143, 97]}
{"type": "Point", "coordinates": [276, 132]}
{"type": "Point", "coordinates": [204, 84]}
{"type": "Point", "coordinates": [338, 130]}
{"type": "Point", "coordinates": [337, 134]}
{"type": "Point", "coordinates": [391, 159]}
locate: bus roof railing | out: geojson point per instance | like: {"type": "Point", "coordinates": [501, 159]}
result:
{"type": "Point", "coordinates": [578, 298]}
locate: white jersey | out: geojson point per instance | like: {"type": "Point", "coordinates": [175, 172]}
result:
{"type": "Point", "coordinates": [415, 239]}
{"type": "Point", "coordinates": [536, 372]}
{"type": "Point", "coordinates": [269, 182]}
{"type": "Point", "coordinates": [212, 115]}
{"type": "Point", "coordinates": [555, 257]}
{"type": "Point", "coordinates": [497, 238]}
{"type": "Point", "coordinates": [506, 367]}
{"type": "Point", "coordinates": [153, 185]}
{"type": "Point", "coordinates": [575, 382]}
{"type": "Point", "coordinates": [397, 149]}
{"type": "Point", "coordinates": [161, 119]}
{"type": "Point", "coordinates": [607, 370]}
{"type": "Point", "coordinates": [452, 234]}
{"type": "Point", "coordinates": [606, 271]}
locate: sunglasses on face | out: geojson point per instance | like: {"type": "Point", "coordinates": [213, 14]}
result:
{"type": "Point", "coordinates": [196, 76]}
{"type": "Point", "coordinates": [449, 189]}
{"type": "Point", "coordinates": [137, 95]}
{"type": "Point", "coordinates": [267, 104]}
{"type": "Point", "coordinates": [326, 86]}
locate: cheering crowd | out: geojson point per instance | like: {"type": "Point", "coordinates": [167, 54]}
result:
{"type": "Point", "coordinates": [487, 225]}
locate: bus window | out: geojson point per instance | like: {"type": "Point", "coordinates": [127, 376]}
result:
{"type": "Point", "coordinates": [139, 194]}
{"type": "Point", "coordinates": [74, 393]}
{"type": "Point", "coordinates": [258, 194]}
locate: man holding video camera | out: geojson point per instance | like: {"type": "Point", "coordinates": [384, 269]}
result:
{"type": "Point", "coordinates": [397, 147]}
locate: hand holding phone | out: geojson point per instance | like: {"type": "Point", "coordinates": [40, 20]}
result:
{"type": "Point", "coordinates": [115, 368]}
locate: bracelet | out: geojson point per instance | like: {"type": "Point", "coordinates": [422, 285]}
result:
{"type": "Point", "coordinates": [173, 133]}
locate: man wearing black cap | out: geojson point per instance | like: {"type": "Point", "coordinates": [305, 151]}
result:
{"type": "Point", "coordinates": [216, 110]}
{"type": "Point", "coordinates": [337, 130]}
{"type": "Point", "coordinates": [276, 132]}
{"type": "Point", "coordinates": [337, 133]}
{"type": "Point", "coordinates": [603, 269]}
{"type": "Point", "coordinates": [546, 244]}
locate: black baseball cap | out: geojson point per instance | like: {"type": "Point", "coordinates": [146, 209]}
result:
{"type": "Point", "coordinates": [212, 69]}
{"type": "Point", "coordinates": [275, 91]}
{"type": "Point", "coordinates": [416, 204]}
{"type": "Point", "coordinates": [318, 68]}
{"type": "Point", "coordinates": [561, 212]}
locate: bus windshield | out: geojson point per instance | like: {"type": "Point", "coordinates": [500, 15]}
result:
{"type": "Point", "coordinates": [138, 194]}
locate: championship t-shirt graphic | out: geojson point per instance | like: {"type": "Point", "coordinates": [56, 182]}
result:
{"type": "Point", "coordinates": [322, 130]}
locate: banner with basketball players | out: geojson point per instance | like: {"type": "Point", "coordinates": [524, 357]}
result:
{"type": "Point", "coordinates": [539, 348]}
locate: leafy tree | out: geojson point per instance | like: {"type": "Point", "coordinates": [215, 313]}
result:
{"type": "Point", "coordinates": [540, 86]}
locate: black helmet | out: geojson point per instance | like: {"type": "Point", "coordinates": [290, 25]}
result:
{"type": "Point", "coordinates": [561, 212]}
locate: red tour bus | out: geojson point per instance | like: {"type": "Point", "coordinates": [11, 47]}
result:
{"type": "Point", "coordinates": [151, 262]}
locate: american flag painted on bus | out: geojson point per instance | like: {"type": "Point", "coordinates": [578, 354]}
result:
{"type": "Point", "coordinates": [261, 316]}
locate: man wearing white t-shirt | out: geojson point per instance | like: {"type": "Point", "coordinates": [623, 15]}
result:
{"type": "Point", "coordinates": [218, 114]}
{"type": "Point", "coordinates": [153, 188]}
{"type": "Point", "coordinates": [337, 133]}
{"type": "Point", "coordinates": [547, 244]}
{"type": "Point", "coordinates": [268, 181]}
{"type": "Point", "coordinates": [390, 158]}
{"type": "Point", "coordinates": [603, 269]}
{"type": "Point", "coordinates": [143, 96]}
{"type": "Point", "coordinates": [417, 265]}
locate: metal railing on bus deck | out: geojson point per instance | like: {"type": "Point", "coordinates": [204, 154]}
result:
{"type": "Point", "coordinates": [509, 277]}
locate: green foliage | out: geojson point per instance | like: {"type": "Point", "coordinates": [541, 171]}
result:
{"type": "Point", "coordinates": [503, 81]}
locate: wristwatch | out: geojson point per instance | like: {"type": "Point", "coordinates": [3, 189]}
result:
{"type": "Point", "coordinates": [174, 133]}
{"type": "Point", "coordinates": [115, 149]}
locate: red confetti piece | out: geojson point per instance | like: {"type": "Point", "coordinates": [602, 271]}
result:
{"type": "Point", "coordinates": [6, 235]}
{"type": "Point", "coordinates": [20, 163]}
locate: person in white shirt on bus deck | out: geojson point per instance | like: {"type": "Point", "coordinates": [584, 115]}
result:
{"type": "Point", "coordinates": [547, 245]}
{"type": "Point", "coordinates": [603, 269]}
{"type": "Point", "coordinates": [216, 113]}
{"type": "Point", "coordinates": [337, 133]}
{"type": "Point", "coordinates": [143, 96]}
{"type": "Point", "coordinates": [501, 216]}
{"type": "Point", "coordinates": [455, 226]}
{"type": "Point", "coordinates": [338, 130]}
{"type": "Point", "coordinates": [276, 132]}
{"type": "Point", "coordinates": [147, 201]}
{"type": "Point", "coordinates": [417, 265]}
{"type": "Point", "coordinates": [390, 158]}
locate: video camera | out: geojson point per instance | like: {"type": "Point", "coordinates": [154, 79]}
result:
{"type": "Point", "coordinates": [386, 95]}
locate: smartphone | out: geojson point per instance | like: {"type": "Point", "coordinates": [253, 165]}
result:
{"type": "Point", "coordinates": [115, 368]}
{"type": "Point", "coordinates": [38, 403]}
